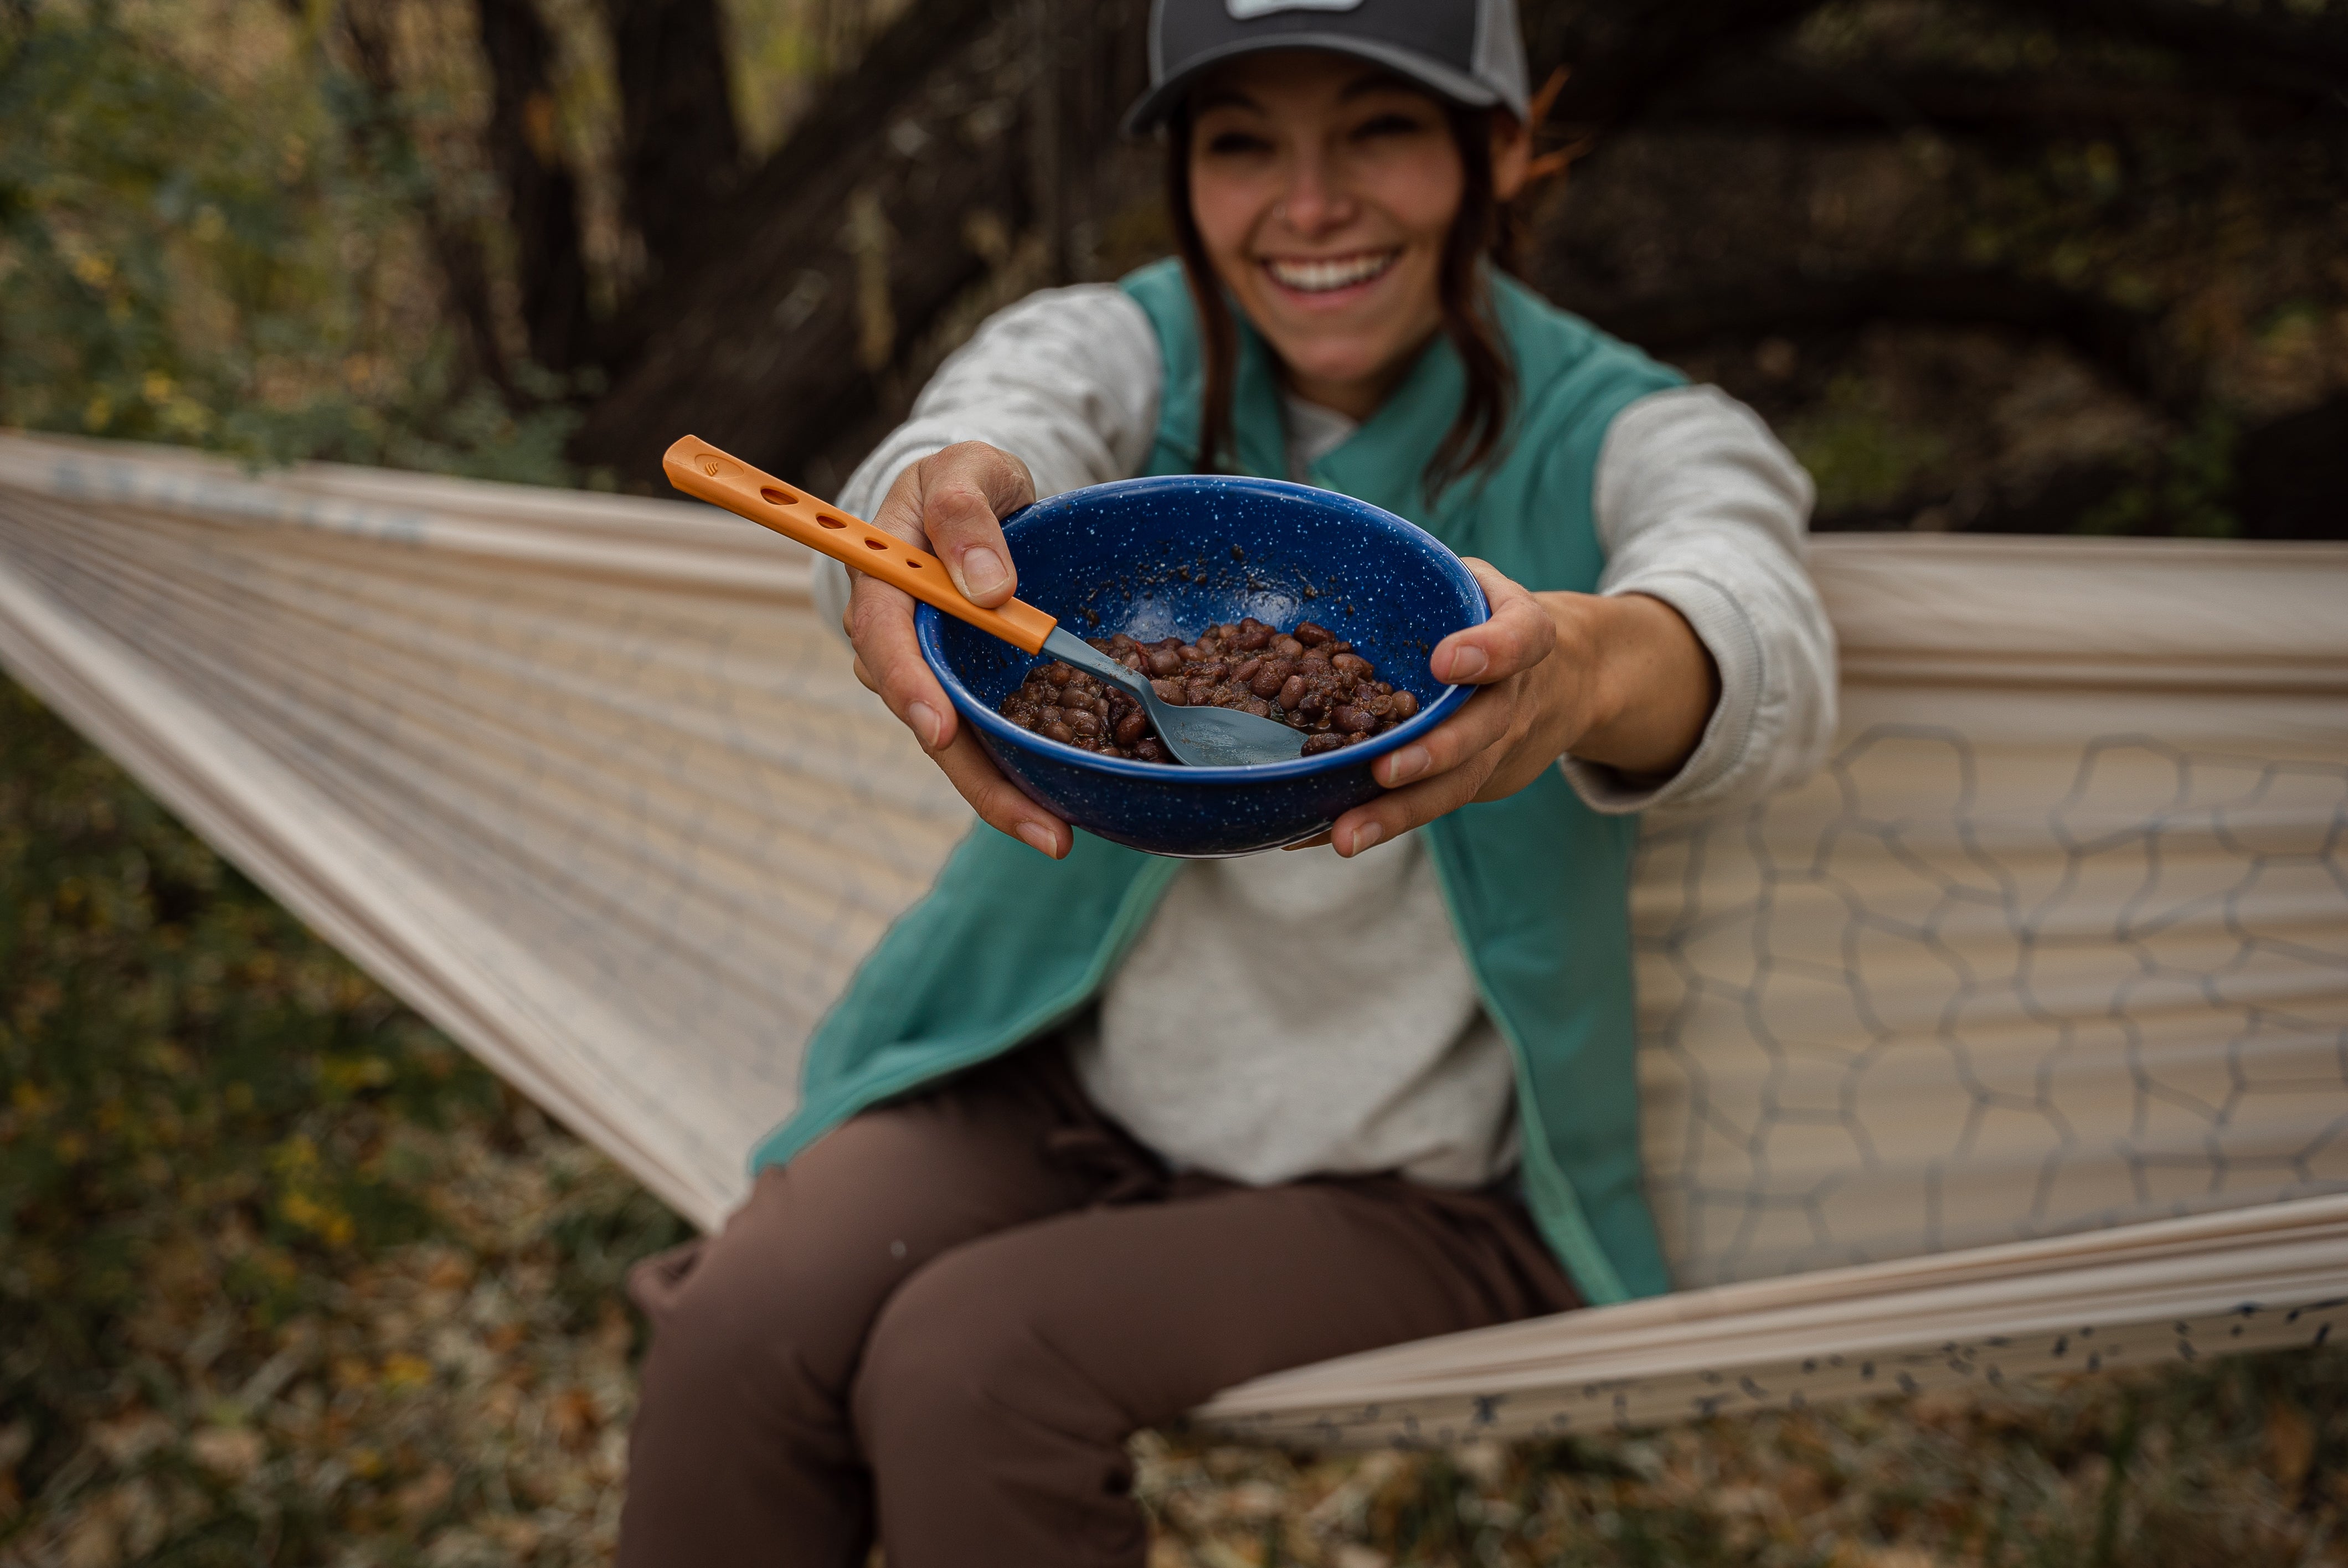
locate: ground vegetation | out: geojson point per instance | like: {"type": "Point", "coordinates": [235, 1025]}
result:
{"type": "Point", "coordinates": [285, 1277]}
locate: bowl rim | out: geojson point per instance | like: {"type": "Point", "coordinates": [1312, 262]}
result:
{"type": "Point", "coordinates": [929, 621]}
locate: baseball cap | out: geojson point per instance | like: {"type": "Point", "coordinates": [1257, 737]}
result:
{"type": "Point", "coordinates": [1469, 51]}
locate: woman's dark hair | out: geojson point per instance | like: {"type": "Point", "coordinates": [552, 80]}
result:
{"type": "Point", "coordinates": [1483, 228]}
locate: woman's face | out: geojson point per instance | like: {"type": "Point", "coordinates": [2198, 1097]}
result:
{"type": "Point", "coordinates": [1324, 189]}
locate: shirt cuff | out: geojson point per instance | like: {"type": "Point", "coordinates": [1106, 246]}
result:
{"type": "Point", "coordinates": [1726, 632]}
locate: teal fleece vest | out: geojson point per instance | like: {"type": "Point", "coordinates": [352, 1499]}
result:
{"type": "Point", "coordinates": [1538, 885]}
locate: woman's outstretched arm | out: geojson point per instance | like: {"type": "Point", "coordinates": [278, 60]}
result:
{"type": "Point", "coordinates": [1701, 673]}
{"type": "Point", "coordinates": [1057, 390]}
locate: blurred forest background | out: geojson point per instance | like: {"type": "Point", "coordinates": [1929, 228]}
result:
{"type": "Point", "coordinates": [285, 1278]}
{"type": "Point", "coordinates": [2043, 265]}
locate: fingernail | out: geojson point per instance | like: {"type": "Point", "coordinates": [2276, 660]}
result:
{"type": "Point", "coordinates": [1467, 663]}
{"type": "Point", "coordinates": [1039, 839]}
{"type": "Point", "coordinates": [1365, 837]}
{"type": "Point", "coordinates": [1406, 764]}
{"type": "Point", "coordinates": [926, 724]}
{"type": "Point", "coordinates": [983, 570]}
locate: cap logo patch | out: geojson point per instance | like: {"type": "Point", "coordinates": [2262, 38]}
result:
{"type": "Point", "coordinates": [1249, 10]}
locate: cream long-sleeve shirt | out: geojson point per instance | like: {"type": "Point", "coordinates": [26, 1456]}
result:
{"type": "Point", "coordinates": [1295, 1013]}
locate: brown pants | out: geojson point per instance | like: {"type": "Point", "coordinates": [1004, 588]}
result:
{"type": "Point", "coordinates": [942, 1322]}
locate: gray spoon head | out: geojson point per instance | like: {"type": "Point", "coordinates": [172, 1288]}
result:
{"type": "Point", "coordinates": [1199, 737]}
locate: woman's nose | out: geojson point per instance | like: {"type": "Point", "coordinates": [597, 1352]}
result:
{"type": "Point", "coordinates": [1314, 203]}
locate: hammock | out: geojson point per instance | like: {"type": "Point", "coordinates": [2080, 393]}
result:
{"type": "Point", "coordinates": [2015, 1043]}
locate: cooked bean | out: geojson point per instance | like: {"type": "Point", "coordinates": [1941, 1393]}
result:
{"type": "Point", "coordinates": [1319, 683]}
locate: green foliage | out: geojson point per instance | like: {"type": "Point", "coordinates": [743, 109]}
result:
{"type": "Point", "coordinates": [2183, 489]}
{"type": "Point", "coordinates": [1863, 455]}
{"type": "Point", "coordinates": [181, 1059]}
{"type": "Point", "coordinates": [231, 1168]}
{"type": "Point", "coordinates": [225, 253]}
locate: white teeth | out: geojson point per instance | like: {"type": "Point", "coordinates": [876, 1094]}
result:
{"type": "Point", "coordinates": [1318, 277]}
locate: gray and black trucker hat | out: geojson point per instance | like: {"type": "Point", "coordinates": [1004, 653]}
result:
{"type": "Point", "coordinates": [1470, 51]}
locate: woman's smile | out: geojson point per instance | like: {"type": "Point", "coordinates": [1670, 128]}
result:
{"type": "Point", "coordinates": [1332, 278]}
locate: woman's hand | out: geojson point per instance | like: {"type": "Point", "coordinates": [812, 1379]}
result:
{"type": "Point", "coordinates": [950, 506]}
{"type": "Point", "coordinates": [1622, 681]}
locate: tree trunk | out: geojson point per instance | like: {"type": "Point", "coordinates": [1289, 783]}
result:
{"type": "Point", "coordinates": [1620, 56]}
{"type": "Point", "coordinates": [383, 142]}
{"type": "Point", "coordinates": [680, 150]}
{"type": "Point", "coordinates": [542, 194]}
{"type": "Point", "coordinates": [789, 300]}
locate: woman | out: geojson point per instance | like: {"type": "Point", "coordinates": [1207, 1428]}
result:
{"type": "Point", "coordinates": [1094, 1135]}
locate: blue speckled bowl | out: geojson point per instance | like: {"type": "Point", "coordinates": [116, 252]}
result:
{"type": "Point", "coordinates": [1158, 558]}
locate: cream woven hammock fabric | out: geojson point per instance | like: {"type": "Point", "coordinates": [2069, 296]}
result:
{"type": "Point", "coordinates": [2017, 1042]}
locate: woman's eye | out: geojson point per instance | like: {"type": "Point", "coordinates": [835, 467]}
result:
{"type": "Point", "coordinates": [1386, 125]}
{"type": "Point", "coordinates": [1236, 143]}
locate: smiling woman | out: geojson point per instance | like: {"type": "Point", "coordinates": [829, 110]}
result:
{"type": "Point", "coordinates": [1092, 1135]}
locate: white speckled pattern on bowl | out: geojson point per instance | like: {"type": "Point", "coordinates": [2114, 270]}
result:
{"type": "Point", "coordinates": [1155, 558]}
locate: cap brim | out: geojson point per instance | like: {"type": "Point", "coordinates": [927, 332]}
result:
{"type": "Point", "coordinates": [1156, 105]}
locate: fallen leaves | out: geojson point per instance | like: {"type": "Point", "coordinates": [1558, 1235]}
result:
{"type": "Point", "coordinates": [231, 1453]}
{"type": "Point", "coordinates": [2291, 1442]}
{"type": "Point", "coordinates": [431, 1366]}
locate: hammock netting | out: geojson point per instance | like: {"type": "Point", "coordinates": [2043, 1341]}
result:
{"type": "Point", "coordinates": [2015, 1043]}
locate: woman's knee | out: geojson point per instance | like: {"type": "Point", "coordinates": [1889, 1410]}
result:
{"type": "Point", "coordinates": [965, 1362]}
{"type": "Point", "coordinates": [747, 1321]}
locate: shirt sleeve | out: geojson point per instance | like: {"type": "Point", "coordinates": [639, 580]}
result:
{"type": "Point", "coordinates": [1698, 505]}
{"type": "Point", "coordinates": [1066, 381]}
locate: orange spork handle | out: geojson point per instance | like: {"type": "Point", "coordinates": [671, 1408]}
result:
{"type": "Point", "coordinates": [706, 474]}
